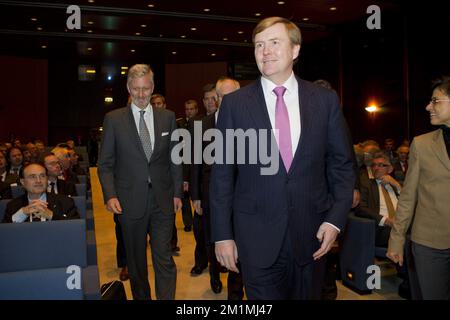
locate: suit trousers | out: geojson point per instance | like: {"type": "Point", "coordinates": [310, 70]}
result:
{"type": "Point", "coordinates": [121, 254]}
{"type": "Point", "coordinates": [200, 254]}
{"type": "Point", "coordinates": [186, 210]}
{"type": "Point", "coordinates": [285, 279]}
{"type": "Point", "coordinates": [159, 227]}
{"type": "Point", "coordinates": [433, 271]}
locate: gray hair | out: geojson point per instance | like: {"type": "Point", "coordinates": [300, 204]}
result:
{"type": "Point", "coordinates": [139, 71]}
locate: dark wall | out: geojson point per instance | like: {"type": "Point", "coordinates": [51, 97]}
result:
{"type": "Point", "coordinates": [24, 98]}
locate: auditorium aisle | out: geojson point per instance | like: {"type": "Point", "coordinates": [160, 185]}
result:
{"type": "Point", "coordinates": [188, 288]}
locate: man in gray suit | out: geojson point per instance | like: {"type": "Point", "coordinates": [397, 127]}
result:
{"type": "Point", "coordinates": [142, 184]}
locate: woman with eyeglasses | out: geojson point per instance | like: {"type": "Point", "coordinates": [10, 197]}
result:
{"type": "Point", "coordinates": [425, 201]}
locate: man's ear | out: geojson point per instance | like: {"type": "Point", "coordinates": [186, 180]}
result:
{"type": "Point", "coordinates": [22, 181]}
{"type": "Point", "coordinates": [296, 51]}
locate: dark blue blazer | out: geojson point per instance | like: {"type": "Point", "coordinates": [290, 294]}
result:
{"type": "Point", "coordinates": [264, 209]}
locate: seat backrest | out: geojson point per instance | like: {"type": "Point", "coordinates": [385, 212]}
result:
{"type": "Point", "coordinates": [80, 203]}
{"type": "Point", "coordinates": [43, 284]}
{"type": "Point", "coordinates": [82, 179]}
{"type": "Point", "coordinates": [81, 189]}
{"type": "Point", "coordinates": [3, 204]}
{"type": "Point", "coordinates": [42, 245]}
{"type": "Point", "coordinates": [17, 191]}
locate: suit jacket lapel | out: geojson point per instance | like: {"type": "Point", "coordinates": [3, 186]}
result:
{"type": "Point", "coordinates": [305, 105]}
{"type": "Point", "coordinates": [130, 126]}
{"type": "Point", "coordinates": [375, 193]}
{"type": "Point", "coordinates": [157, 125]}
{"type": "Point", "coordinates": [260, 114]}
{"type": "Point", "coordinates": [438, 146]}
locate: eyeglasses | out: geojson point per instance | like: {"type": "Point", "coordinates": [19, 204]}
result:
{"type": "Point", "coordinates": [434, 101]}
{"type": "Point", "coordinates": [382, 165]}
{"type": "Point", "coordinates": [36, 176]}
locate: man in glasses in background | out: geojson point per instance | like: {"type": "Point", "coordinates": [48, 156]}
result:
{"type": "Point", "coordinates": [379, 197]}
{"type": "Point", "coordinates": [37, 204]}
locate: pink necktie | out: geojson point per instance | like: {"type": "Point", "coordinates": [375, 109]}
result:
{"type": "Point", "coordinates": [284, 128]}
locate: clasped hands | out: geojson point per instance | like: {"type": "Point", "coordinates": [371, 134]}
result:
{"type": "Point", "coordinates": [38, 209]}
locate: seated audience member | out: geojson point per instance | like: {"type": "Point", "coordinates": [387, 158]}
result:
{"type": "Point", "coordinates": [40, 147]}
{"type": "Point", "coordinates": [5, 191]}
{"type": "Point", "coordinates": [3, 148]}
{"type": "Point", "coordinates": [401, 166]}
{"type": "Point", "coordinates": [379, 197]}
{"type": "Point", "coordinates": [27, 158]}
{"type": "Point", "coordinates": [389, 150]}
{"type": "Point", "coordinates": [15, 158]}
{"type": "Point", "coordinates": [55, 185]}
{"type": "Point", "coordinates": [64, 160]}
{"type": "Point", "coordinates": [369, 147]}
{"type": "Point", "coordinates": [75, 167]}
{"type": "Point", "coordinates": [36, 204]}
{"type": "Point", "coordinates": [34, 154]}
{"type": "Point", "coordinates": [5, 176]}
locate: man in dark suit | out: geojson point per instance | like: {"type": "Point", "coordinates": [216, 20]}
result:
{"type": "Point", "coordinates": [36, 204]}
{"type": "Point", "coordinates": [55, 185]}
{"type": "Point", "coordinates": [401, 166]}
{"type": "Point", "coordinates": [200, 195]}
{"type": "Point", "coordinates": [280, 223]}
{"type": "Point", "coordinates": [142, 184]}
{"type": "Point", "coordinates": [378, 204]}
{"type": "Point", "coordinates": [5, 191]}
{"type": "Point", "coordinates": [5, 175]}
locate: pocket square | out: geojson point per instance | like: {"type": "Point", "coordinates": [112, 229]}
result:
{"type": "Point", "coordinates": [164, 134]}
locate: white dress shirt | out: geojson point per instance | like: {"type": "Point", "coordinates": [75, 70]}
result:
{"type": "Point", "coordinates": [148, 118]}
{"type": "Point", "coordinates": [383, 207]}
{"type": "Point", "coordinates": [291, 100]}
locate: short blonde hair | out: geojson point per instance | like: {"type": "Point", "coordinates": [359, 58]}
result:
{"type": "Point", "coordinates": [139, 71]}
{"type": "Point", "coordinates": [293, 31]}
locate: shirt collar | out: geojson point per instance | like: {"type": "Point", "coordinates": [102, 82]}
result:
{"type": "Point", "coordinates": [43, 197]}
{"type": "Point", "coordinates": [148, 109]}
{"type": "Point", "coordinates": [290, 84]}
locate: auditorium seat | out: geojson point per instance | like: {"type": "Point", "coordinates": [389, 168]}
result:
{"type": "Point", "coordinates": [358, 252]}
{"type": "Point", "coordinates": [3, 204]}
{"type": "Point", "coordinates": [35, 258]}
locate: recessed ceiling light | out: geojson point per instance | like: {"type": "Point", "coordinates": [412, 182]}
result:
{"type": "Point", "coordinates": [213, 54]}
{"type": "Point", "coordinates": [143, 25]}
{"type": "Point", "coordinates": [138, 33]}
{"type": "Point", "coordinates": [305, 19]}
{"type": "Point", "coordinates": [245, 40]}
{"type": "Point", "coordinates": [206, 10]}
{"type": "Point", "coordinates": [160, 35]}
{"type": "Point", "coordinates": [174, 52]}
{"type": "Point", "coordinates": [91, 1]}
{"type": "Point", "coordinates": [257, 14]}
{"type": "Point", "coordinates": [183, 36]}
{"type": "Point", "coordinates": [151, 5]}
{"type": "Point", "coordinates": [39, 28]}
{"type": "Point", "coordinates": [44, 47]}
{"type": "Point", "coordinates": [89, 49]}
{"type": "Point", "coordinates": [280, 2]}
{"type": "Point", "coordinates": [90, 22]}
{"type": "Point", "coordinates": [34, 19]}
{"type": "Point", "coordinates": [193, 29]}
{"type": "Point", "coordinates": [225, 39]}
{"type": "Point", "coordinates": [333, 8]}
{"type": "Point", "coordinates": [240, 32]}
{"type": "Point", "coordinates": [132, 50]}
{"type": "Point", "coordinates": [89, 31]}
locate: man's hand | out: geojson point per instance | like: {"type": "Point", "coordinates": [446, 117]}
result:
{"type": "Point", "coordinates": [35, 207]}
{"type": "Point", "coordinates": [198, 207]}
{"type": "Point", "coordinates": [395, 257]}
{"type": "Point", "coordinates": [387, 179]}
{"type": "Point", "coordinates": [356, 198]}
{"type": "Point", "coordinates": [113, 205]}
{"type": "Point", "coordinates": [227, 255]}
{"type": "Point", "coordinates": [389, 222]}
{"type": "Point", "coordinates": [177, 204]}
{"type": "Point", "coordinates": [326, 235]}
